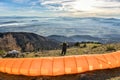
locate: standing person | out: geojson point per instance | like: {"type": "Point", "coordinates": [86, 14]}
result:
{"type": "Point", "coordinates": [64, 48]}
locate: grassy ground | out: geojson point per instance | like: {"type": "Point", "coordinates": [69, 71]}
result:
{"type": "Point", "coordinates": [110, 74]}
{"type": "Point", "coordinates": [90, 48]}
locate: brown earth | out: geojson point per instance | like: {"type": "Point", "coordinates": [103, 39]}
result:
{"type": "Point", "coordinates": [109, 74]}
{"type": "Point", "coordinates": [8, 42]}
{"type": "Point", "coordinates": [26, 42]}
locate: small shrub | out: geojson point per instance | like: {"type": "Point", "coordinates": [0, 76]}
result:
{"type": "Point", "coordinates": [77, 44]}
{"type": "Point", "coordinates": [84, 46]}
{"type": "Point", "coordinates": [22, 55]}
{"type": "Point", "coordinates": [27, 53]}
{"type": "Point", "coordinates": [36, 55]}
{"type": "Point", "coordinates": [110, 48]}
{"type": "Point", "coordinates": [94, 47]}
{"type": "Point", "coordinates": [2, 52]}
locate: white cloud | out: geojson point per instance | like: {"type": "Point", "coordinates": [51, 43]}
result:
{"type": "Point", "coordinates": [68, 7]}
{"type": "Point", "coordinates": [57, 4]}
{"type": "Point", "coordinates": [109, 4]}
{"type": "Point", "coordinates": [84, 7]}
{"type": "Point", "coordinates": [69, 4]}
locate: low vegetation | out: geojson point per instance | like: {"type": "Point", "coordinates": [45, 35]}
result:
{"type": "Point", "coordinates": [110, 48]}
{"type": "Point", "coordinates": [78, 49]}
{"type": "Point", "coordinates": [2, 52]}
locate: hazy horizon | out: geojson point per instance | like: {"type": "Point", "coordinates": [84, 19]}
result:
{"type": "Point", "coordinates": [66, 26]}
{"type": "Point", "coordinates": [61, 17]}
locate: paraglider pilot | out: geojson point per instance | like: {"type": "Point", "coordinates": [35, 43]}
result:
{"type": "Point", "coordinates": [64, 48]}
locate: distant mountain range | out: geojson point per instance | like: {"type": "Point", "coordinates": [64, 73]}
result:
{"type": "Point", "coordinates": [24, 41]}
{"type": "Point", "coordinates": [86, 38]}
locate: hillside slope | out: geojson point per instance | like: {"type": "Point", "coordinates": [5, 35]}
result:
{"type": "Point", "coordinates": [25, 42]}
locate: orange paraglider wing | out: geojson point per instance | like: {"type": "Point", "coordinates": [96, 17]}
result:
{"type": "Point", "coordinates": [53, 66]}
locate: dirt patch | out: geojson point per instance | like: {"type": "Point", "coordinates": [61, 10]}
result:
{"type": "Point", "coordinates": [109, 74]}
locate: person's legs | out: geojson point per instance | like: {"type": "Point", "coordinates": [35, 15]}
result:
{"type": "Point", "coordinates": [62, 53]}
{"type": "Point", "coordinates": [65, 53]}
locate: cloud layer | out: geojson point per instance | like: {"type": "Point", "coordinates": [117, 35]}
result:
{"type": "Point", "coordinates": [61, 7]}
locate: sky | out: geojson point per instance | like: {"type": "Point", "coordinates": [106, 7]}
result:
{"type": "Point", "coordinates": [58, 8]}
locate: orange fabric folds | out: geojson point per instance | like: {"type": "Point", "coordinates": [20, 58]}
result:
{"type": "Point", "coordinates": [54, 66]}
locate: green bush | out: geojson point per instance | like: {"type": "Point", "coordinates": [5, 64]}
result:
{"type": "Point", "coordinates": [77, 44]}
{"type": "Point", "coordinates": [84, 46]}
{"type": "Point", "coordinates": [2, 52]}
{"type": "Point", "coordinates": [94, 47]}
{"type": "Point", "coordinates": [110, 48]}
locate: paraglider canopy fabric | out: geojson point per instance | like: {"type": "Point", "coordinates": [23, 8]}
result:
{"type": "Point", "coordinates": [13, 52]}
{"type": "Point", "coordinates": [54, 66]}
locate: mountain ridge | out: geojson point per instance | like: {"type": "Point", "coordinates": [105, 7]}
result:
{"type": "Point", "coordinates": [86, 38]}
{"type": "Point", "coordinates": [25, 41]}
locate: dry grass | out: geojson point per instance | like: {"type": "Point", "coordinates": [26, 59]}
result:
{"type": "Point", "coordinates": [90, 49]}
{"type": "Point", "coordinates": [110, 74]}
